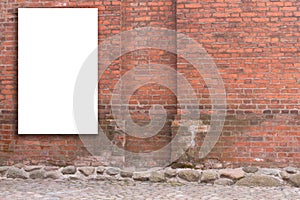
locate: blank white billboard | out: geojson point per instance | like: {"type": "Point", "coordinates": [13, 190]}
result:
{"type": "Point", "coordinates": [53, 44]}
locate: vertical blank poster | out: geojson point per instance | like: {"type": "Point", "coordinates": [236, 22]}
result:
{"type": "Point", "coordinates": [53, 44]}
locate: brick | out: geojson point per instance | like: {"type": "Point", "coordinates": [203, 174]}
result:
{"type": "Point", "coordinates": [198, 5]}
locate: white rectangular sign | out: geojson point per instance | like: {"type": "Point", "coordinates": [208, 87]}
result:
{"type": "Point", "coordinates": [53, 44]}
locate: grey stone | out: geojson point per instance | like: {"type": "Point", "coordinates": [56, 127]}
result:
{"type": "Point", "coordinates": [209, 175]}
{"type": "Point", "coordinates": [259, 181]}
{"type": "Point", "coordinates": [284, 175]}
{"type": "Point", "coordinates": [100, 169]}
{"type": "Point", "coordinates": [223, 181]}
{"type": "Point", "coordinates": [127, 174]}
{"type": "Point", "coordinates": [37, 174]}
{"type": "Point", "coordinates": [112, 171]}
{"type": "Point", "coordinates": [158, 176]}
{"type": "Point", "coordinates": [53, 175]}
{"type": "Point", "coordinates": [250, 169]}
{"type": "Point", "coordinates": [3, 170]}
{"type": "Point", "coordinates": [141, 176]}
{"type": "Point", "coordinates": [14, 172]}
{"type": "Point", "coordinates": [170, 172]}
{"type": "Point", "coordinates": [232, 173]}
{"type": "Point", "coordinates": [51, 168]}
{"type": "Point", "coordinates": [267, 171]}
{"type": "Point", "coordinates": [295, 179]}
{"type": "Point", "coordinates": [291, 170]}
{"type": "Point", "coordinates": [30, 168]}
{"type": "Point", "coordinates": [68, 170]}
{"type": "Point", "coordinates": [189, 175]}
{"type": "Point", "coordinates": [86, 170]}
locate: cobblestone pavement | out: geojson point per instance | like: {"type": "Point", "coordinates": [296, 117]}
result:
{"type": "Point", "coordinates": [79, 189]}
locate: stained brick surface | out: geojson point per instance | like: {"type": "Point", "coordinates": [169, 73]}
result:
{"type": "Point", "coordinates": [255, 45]}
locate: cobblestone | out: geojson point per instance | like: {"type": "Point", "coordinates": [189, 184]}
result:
{"type": "Point", "coordinates": [89, 189]}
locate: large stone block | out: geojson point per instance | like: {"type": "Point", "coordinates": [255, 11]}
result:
{"type": "Point", "coordinates": [259, 180]}
{"type": "Point", "coordinates": [189, 175]}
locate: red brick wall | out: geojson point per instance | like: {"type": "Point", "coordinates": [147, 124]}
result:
{"type": "Point", "coordinates": [138, 14]}
{"type": "Point", "coordinates": [56, 149]}
{"type": "Point", "coordinates": [255, 45]}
